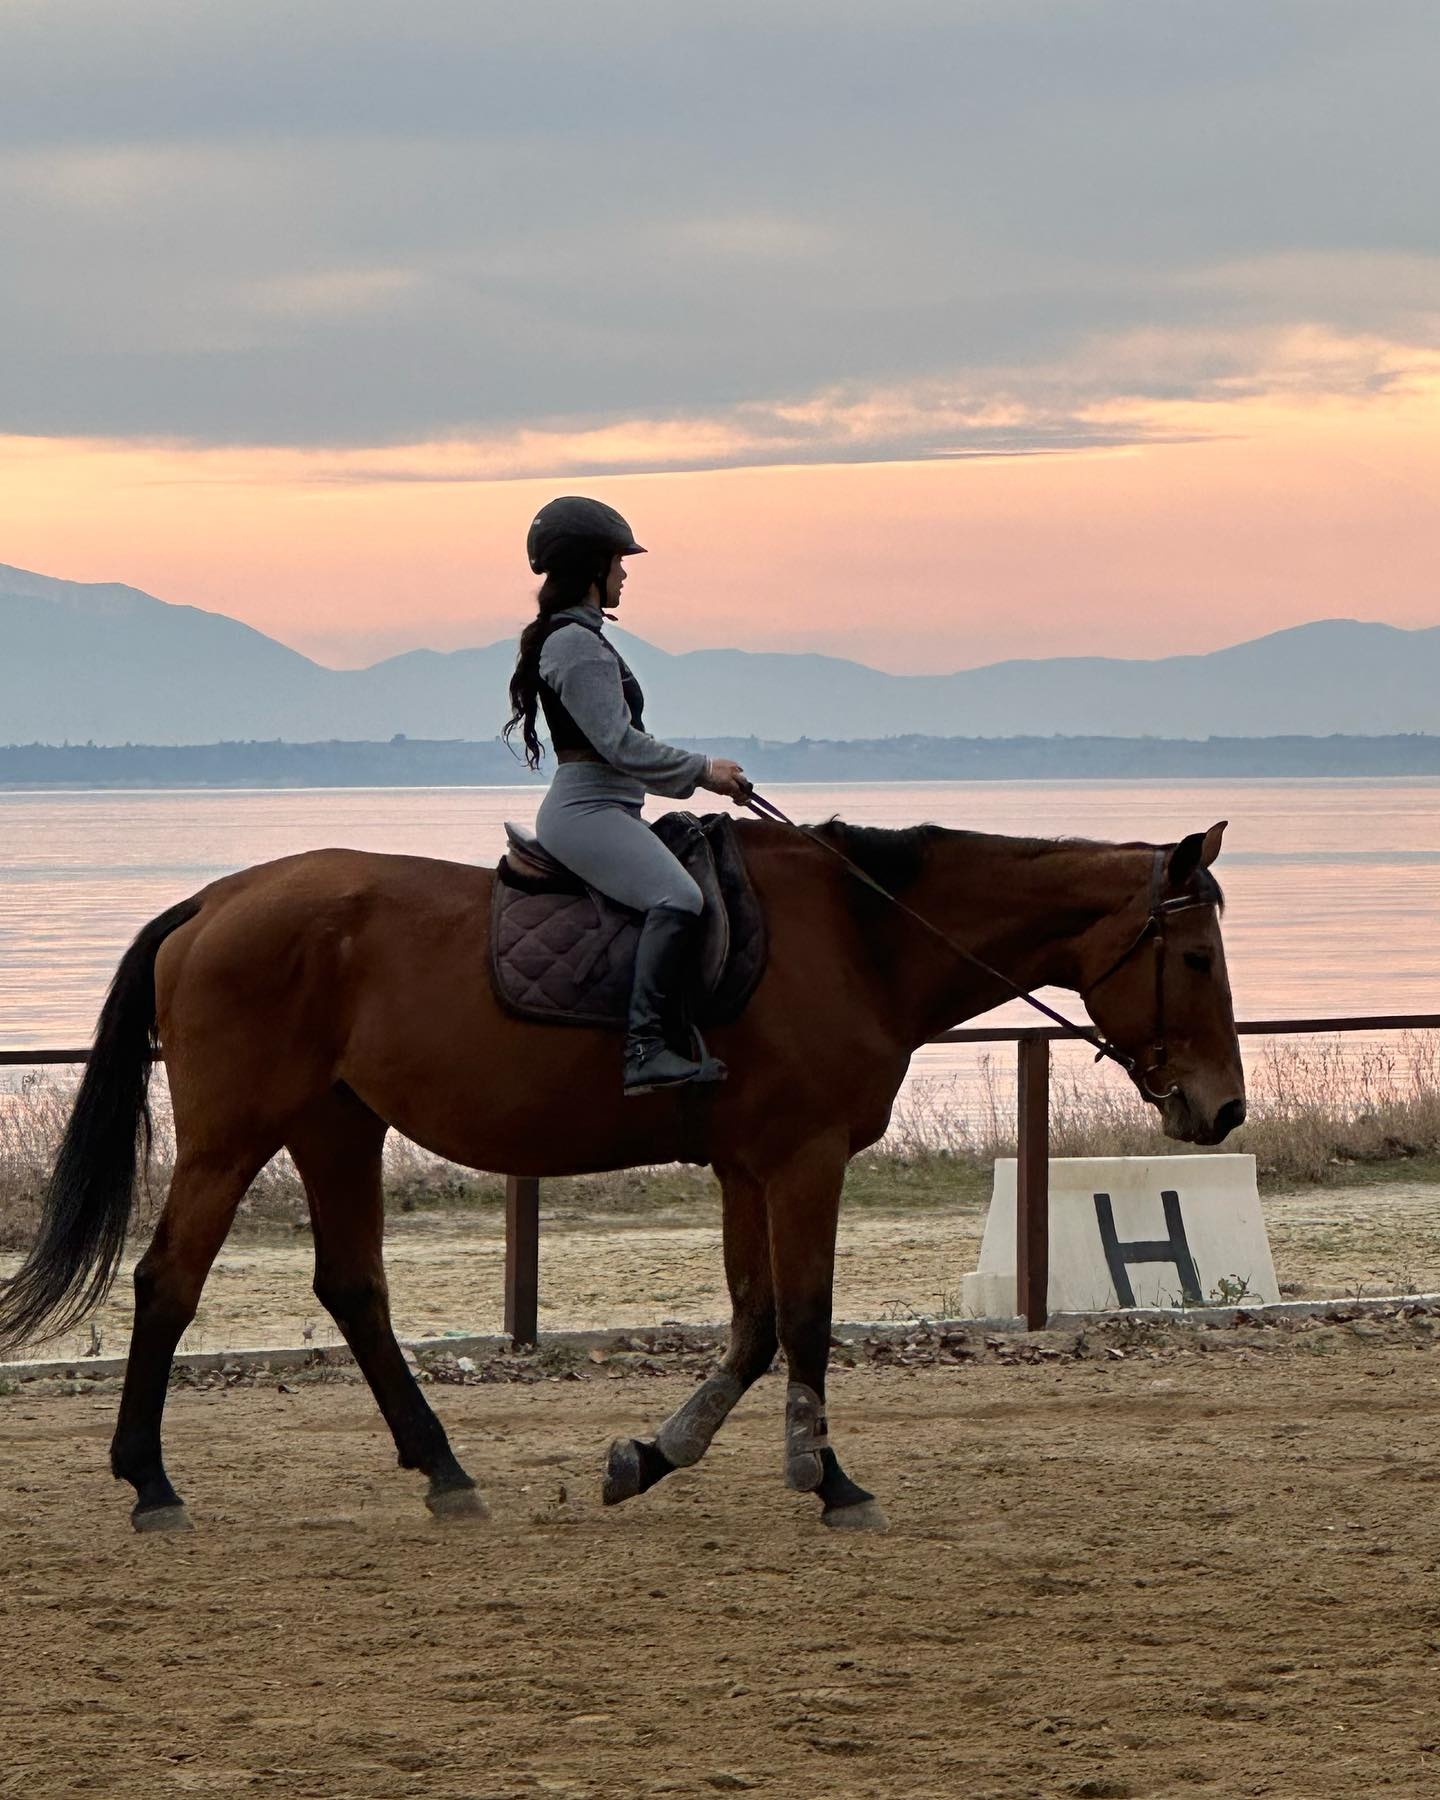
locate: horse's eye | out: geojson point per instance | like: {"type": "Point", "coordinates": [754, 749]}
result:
{"type": "Point", "coordinates": [1197, 960]}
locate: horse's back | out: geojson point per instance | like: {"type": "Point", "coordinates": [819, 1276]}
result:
{"type": "Point", "coordinates": [318, 914]}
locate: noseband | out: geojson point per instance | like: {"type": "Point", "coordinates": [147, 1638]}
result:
{"type": "Point", "coordinates": [1151, 932]}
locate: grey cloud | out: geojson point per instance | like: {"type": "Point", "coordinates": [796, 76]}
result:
{"type": "Point", "coordinates": [368, 223]}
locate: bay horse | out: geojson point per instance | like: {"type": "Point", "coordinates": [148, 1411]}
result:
{"type": "Point", "coordinates": [316, 1002]}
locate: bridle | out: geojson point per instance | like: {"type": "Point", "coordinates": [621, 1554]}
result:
{"type": "Point", "coordinates": [1152, 931]}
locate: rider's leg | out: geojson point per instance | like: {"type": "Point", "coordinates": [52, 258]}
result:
{"type": "Point", "coordinates": [663, 955]}
{"type": "Point", "coordinates": [607, 844]}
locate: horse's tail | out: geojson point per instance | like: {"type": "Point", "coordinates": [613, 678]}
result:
{"type": "Point", "coordinates": [92, 1186]}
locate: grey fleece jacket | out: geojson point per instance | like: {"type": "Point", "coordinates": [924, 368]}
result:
{"type": "Point", "coordinates": [586, 672]}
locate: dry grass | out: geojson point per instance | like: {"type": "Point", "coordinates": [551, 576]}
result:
{"type": "Point", "coordinates": [1319, 1109]}
{"type": "Point", "coordinates": [31, 1122]}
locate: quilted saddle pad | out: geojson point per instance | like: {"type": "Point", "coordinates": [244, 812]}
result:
{"type": "Point", "coordinates": [562, 954]}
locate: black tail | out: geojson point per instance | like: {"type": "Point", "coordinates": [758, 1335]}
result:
{"type": "Point", "coordinates": [92, 1186]}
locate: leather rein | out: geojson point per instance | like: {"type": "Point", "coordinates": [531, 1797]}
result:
{"type": "Point", "coordinates": [1151, 932]}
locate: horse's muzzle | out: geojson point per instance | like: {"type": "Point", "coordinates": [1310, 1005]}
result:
{"type": "Point", "coordinates": [1179, 1122]}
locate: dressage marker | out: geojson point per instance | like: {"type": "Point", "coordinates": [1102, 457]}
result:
{"type": "Point", "coordinates": [1176, 1231]}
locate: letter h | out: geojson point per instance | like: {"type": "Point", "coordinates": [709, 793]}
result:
{"type": "Point", "coordinates": [1174, 1249]}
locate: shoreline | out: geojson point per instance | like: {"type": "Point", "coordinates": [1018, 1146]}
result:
{"type": "Point", "coordinates": [414, 763]}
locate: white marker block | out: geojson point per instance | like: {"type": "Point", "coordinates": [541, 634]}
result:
{"type": "Point", "coordinates": [1133, 1231]}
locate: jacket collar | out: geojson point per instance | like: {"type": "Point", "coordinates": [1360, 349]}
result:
{"type": "Point", "coordinates": [583, 614]}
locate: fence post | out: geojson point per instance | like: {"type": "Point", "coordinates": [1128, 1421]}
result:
{"type": "Point", "coordinates": [522, 1258]}
{"type": "Point", "coordinates": [1032, 1182]}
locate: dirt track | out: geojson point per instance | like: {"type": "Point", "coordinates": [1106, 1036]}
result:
{"type": "Point", "coordinates": [1205, 1567]}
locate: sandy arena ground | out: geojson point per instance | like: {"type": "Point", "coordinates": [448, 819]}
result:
{"type": "Point", "coordinates": [446, 1269]}
{"type": "Point", "coordinates": [1178, 1564]}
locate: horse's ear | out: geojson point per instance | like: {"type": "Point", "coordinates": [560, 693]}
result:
{"type": "Point", "coordinates": [1197, 851]}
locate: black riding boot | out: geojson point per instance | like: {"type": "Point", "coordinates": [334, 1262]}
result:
{"type": "Point", "coordinates": [657, 1010]}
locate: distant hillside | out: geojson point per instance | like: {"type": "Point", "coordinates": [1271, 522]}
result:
{"type": "Point", "coordinates": [422, 763]}
{"type": "Point", "coordinates": [111, 665]}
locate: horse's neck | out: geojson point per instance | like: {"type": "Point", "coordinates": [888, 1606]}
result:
{"type": "Point", "coordinates": [1025, 908]}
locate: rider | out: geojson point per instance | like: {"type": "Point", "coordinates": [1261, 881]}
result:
{"type": "Point", "coordinates": [590, 817]}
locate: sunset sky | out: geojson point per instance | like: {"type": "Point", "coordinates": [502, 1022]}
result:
{"type": "Point", "coordinates": [926, 333]}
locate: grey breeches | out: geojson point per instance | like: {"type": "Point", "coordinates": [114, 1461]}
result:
{"type": "Point", "coordinates": [590, 819]}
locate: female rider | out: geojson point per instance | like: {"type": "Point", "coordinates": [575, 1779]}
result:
{"type": "Point", "coordinates": [590, 818]}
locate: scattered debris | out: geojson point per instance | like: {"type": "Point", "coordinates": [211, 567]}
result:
{"type": "Point", "coordinates": [1114, 1342]}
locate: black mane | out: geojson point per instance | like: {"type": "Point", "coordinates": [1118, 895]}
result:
{"type": "Point", "coordinates": [893, 857]}
{"type": "Point", "coordinates": [896, 857]}
{"type": "Point", "coordinates": [1205, 887]}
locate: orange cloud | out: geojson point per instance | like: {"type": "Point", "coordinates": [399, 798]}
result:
{"type": "Point", "coordinates": [1306, 488]}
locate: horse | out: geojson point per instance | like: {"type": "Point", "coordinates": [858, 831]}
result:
{"type": "Point", "coordinates": [316, 1002]}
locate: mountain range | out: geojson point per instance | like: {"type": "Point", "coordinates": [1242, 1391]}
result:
{"type": "Point", "coordinates": [106, 663]}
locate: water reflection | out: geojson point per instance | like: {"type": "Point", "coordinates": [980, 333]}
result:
{"type": "Point", "coordinates": [1333, 887]}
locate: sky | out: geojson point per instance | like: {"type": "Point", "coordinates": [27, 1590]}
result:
{"type": "Point", "coordinates": [928, 332]}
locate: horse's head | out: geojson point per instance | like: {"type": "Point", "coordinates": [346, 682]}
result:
{"type": "Point", "coordinates": [1156, 985]}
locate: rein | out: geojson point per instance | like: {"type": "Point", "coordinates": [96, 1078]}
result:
{"type": "Point", "coordinates": [1152, 931]}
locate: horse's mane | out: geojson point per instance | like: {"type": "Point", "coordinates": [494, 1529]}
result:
{"type": "Point", "coordinates": [895, 857]}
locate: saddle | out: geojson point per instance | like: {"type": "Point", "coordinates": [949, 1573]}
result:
{"type": "Point", "coordinates": [562, 954]}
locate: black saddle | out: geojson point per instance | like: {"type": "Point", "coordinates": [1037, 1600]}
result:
{"type": "Point", "coordinates": [563, 954]}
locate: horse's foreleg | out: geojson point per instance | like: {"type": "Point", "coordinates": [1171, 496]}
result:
{"type": "Point", "coordinates": [635, 1464]}
{"type": "Point", "coordinates": [204, 1193]}
{"type": "Point", "coordinates": [337, 1149]}
{"type": "Point", "coordinates": [803, 1202]}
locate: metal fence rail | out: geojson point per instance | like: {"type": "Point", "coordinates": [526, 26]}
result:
{"type": "Point", "coordinates": [1032, 1217]}
{"type": "Point", "coordinates": [1032, 1172]}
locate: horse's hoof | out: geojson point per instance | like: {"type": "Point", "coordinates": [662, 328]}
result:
{"type": "Point", "coordinates": [161, 1518]}
{"type": "Point", "coordinates": [624, 1475]}
{"type": "Point", "coordinates": [865, 1515]}
{"type": "Point", "coordinates": [457, 1503]}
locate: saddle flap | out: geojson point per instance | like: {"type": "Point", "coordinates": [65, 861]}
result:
{"type": "Point", "coordinates": [687, 839]}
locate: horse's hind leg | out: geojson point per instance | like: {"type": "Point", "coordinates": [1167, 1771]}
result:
{"type": "Point", "coordinates": [204, 1192]}
{"type": "Point", "coordinates": [635, 1464]}
{"type": "Point", "coordinates": [803, 1202]}
{"type": "Point", "coordinates": [337, 1149]}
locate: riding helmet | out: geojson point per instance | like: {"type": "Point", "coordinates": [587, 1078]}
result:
{"type": "Point", "coordinates": [571, 520]}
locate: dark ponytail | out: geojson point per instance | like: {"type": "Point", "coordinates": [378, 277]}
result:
{"type": "Point", "coordinates": [567, 583]}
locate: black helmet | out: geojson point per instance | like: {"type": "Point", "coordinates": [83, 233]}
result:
{"type": "Point", "coordinates": [572, 520]}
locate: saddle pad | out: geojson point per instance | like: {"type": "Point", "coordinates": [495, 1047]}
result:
{"type": "Point", "coordinates": [565, 958]}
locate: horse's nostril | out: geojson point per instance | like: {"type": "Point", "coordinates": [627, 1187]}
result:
{"type": "Point", "coordinates": [1230, 1116]}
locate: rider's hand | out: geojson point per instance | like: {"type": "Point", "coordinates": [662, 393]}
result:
{"type": "Point", "coordinates": [726, 777]}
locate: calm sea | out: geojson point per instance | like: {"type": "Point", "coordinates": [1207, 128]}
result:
{"type": "Point", "coordinates": [1333, 886]}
